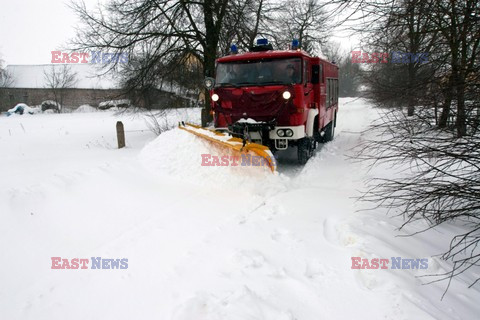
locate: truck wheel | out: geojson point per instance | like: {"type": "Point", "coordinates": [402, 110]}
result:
{"type": "Point", "coordinates": [329, 132]}
{"type": "Point", "coordinates": [306, 146]}
{"type": "Point", "coordinates": [317, 136]}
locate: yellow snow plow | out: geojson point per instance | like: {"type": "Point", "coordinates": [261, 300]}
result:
{"type": "Point", "coordinates": [236, 144]}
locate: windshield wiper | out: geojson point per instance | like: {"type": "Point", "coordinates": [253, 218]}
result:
{"type": "Point", "coordinates": [228, 84]}
{"type": "Point", "coordinates": [240, 84]}
{"type": "Point", "coordinates": [267, 83]}
{"type": "Point", "coordinates": [246, 83]}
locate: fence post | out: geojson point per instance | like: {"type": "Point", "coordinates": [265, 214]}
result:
{"type": "Point", "coordinates": [120, 135]}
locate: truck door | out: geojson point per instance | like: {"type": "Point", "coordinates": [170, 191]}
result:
{"type": "Point", "coordinates": [307, 84]}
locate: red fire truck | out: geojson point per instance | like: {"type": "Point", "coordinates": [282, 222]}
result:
{"type": "Point", "coordinates": [277, 98]}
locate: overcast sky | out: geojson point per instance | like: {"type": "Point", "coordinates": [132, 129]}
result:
{"type": "Point", "coordinates": [31, 29]}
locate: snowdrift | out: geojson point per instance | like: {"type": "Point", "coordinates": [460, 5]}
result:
{"type": "Point", "coordinates": [176, 153]}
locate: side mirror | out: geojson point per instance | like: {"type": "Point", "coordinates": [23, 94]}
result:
{"type": "Point", "coordinates": [209, 83]}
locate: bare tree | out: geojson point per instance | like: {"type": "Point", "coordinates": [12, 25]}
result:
{"type": "Point", "coordinates": [6, 81]}
{"type": "Point", "coordinates": [459, 24]}
{"type": "Point", "coordinates": [439, 164]}
{"type": "Point", "coordinates": [446, 29]}
{"type": "Point", "coordinates": [156, 31]}
{"type": "Point", "coordinates": [439, 181]}
{"type": "Point", "coordinates": [304, 20]}
{"type": "Point", "coordinates": [58, 79]}
{"type": "Point", "coordinates": [349, 73]}
{"type": "Point", "coordinates": [157, 121]}
{"type": "Point", "coordinates": [6, 78]}
{"type": "Point", "coordinates": [332, 51]}
{"type": "Point", "coordinates": [248, 20]}
{"type": "Point", "coordinates": [407, 29]}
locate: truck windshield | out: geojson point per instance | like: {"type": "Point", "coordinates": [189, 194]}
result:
{"type": "Point", "coordinates": [259, 72]}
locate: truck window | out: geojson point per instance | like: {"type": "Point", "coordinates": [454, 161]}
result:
{"type": "Point", "coordinates": [306, 71]}
{"type": "Point", "coordinates": [317, 74]}
{"type": "Point", "coordinates": [327, 90]}
{"type": "Point", "coordinates": [336, 90]}
{"type": "Point", "coordinates": [332, 92]}
{"type": "Point", "coordinates": [259, 72]}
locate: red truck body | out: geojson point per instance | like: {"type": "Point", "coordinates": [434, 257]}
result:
{"type": "Point", "coordinates": [275, 106]}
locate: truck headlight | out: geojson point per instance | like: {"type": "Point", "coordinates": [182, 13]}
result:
{"type": "Point", "coordinates": [215, 97]}
{"type": "Point", "coordinates": [289, 133]}
{"type": "Point", "coordinates": [286, 95]}
{"type": "Point", "coordinates": [281, 133]}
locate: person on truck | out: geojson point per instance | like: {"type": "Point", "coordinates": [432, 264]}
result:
{"type": "Point", "coordinates": [236, 74]}
{"type": "Point", "coordinates": [290, 74]}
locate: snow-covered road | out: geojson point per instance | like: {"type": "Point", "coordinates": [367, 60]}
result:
{"type": "Point", "coordinates": [201, 242]}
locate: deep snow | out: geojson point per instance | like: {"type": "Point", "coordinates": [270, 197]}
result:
{"type": "Point", "coordinates": [201, 242]}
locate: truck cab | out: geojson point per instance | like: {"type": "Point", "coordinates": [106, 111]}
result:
{"type": "Point", "coordinates": [278, 98]}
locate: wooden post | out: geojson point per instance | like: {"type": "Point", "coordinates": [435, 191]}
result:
{"type": "Point", "coordinates": [120, 135]}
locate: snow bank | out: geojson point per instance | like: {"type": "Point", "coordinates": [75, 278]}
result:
{"type": "Point", "coordinates": [178, 154]}
{"type": "Point", "coordinates": [85, 108]}
{"type": "Point", "coordinates": [23, 109]}
{"type": "Point", "coordinates": [50, 105]}
{"type": "Point", "coordinates": [121, 103]}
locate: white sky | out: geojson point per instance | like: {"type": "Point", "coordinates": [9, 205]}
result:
{"type": "Point", "coordinates": [31, 29]}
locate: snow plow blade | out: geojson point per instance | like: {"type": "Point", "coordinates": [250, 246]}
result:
{"type": "Point", "coordinates": [226, 141]}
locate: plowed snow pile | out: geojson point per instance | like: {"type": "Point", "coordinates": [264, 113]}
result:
{"type": "Point", "coordinates": [178, 154]}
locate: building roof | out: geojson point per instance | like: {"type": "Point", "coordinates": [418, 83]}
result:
{"type": "Point", "coordinates": [88, 76]}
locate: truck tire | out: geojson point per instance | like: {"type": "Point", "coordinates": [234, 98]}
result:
{"type": "Point", "coordinates": [306, 146]}
{"type": "Point", "coordinates": [329, 132]}
{"type": "Point", "coordinates": [318, 136]}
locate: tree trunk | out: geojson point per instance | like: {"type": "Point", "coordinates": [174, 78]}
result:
{"type": "Point", "coordinates": [209, 71]}
{"type": "Point", "coordinates": [413, 45]}
{"type": "Point", "coordinates": [212, 36]}
{"type": "Point", "coordinates": [445, 111]}
{"type": "Point", "coordinates": [460, 123]}
{"type": "Point", "coordinates": [447, 103]}
{"type": "Point", "coordinates": [411, 89]}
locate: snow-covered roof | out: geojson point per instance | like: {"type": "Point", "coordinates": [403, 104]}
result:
{"type": "Point", "coordinates": [33, 76]}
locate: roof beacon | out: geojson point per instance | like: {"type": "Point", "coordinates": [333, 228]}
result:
{"type": "Point", "coordinates": [262, 42]}
{"type": "Point", "coordinates": [262, 45]}
{"type": "Point", "coordinates": [295, 44]}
